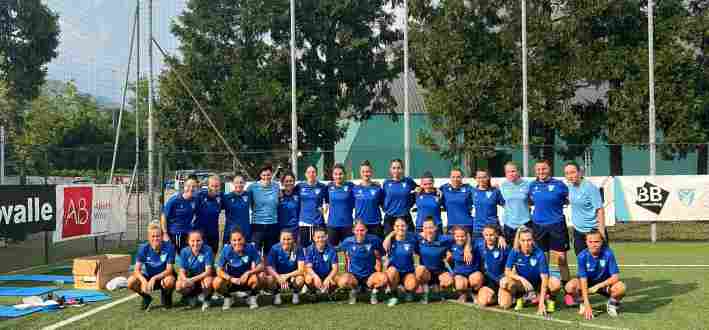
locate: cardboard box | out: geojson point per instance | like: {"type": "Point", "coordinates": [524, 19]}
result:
{"type": "Point", "coordinates": [94, 272]}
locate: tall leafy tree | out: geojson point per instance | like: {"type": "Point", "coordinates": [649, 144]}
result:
{"type": "Point", "coordinates": [29, 36]}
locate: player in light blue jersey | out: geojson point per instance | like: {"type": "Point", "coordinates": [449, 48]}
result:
{"type": "Point", "coordinates": [196, 273]}
{"type": "Point", "coordinates": [597, 273]}
{"type": "Point", "coordinates": [154, 269]}
{"type": "Point", "coordinates": [515, 192]}
{"type": "Point", "coordinates": [263, 196]}
{"type": "Point", "coordinates": [587, 212]}
{"type": "Point", "coordinates": [527, 274]}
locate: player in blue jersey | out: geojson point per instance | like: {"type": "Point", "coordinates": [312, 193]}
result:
{"type": "Point", "coordinates": [369, 198]}
{"type": "Point", "coordinates": [486, 198]}
{"type": "Point", "coordinates": [312, 197]}
{"type": "Point", "coordinates": [433, 271]}
{"type": "Point", "coordinates": [401, 247]}
{"type": "Point", "coordinates": [178, 214]}
{"type": "Point", "coordinates": [515, 192]}
{"type": "Point", "coordinates": [597, 273]}
{"type": "Point", "coordinates": [549, 195]}
{"type": "Point", "coordinates": [153, 269]}
{"type": "Point", "coordinates": [209, 206]}
{"type": "Point", "coordinates": [238, 269]}
{"type": "Point", "coordinates": [467, 276]}
{"type": "Point", "coordinates": [339, 201]}
{"type": "Point", "coordinates": [398, 196]}
{"type": "Point", "coordinates": [428, 203]}
{"type": "Point", "coordinates": [321, 263]}
{"type": "Point", "coordinates": [264, 210]}
{"type": "Point", "coordinates": [285, 266]}
{"type": "Point", "coordinates": [494, 259]}
{"type": "Point", "coordinates": [457, 199]}
{"type": "Point", "coordinates": [364, 264]}
{"type": "Point", "coordinates": [587, 212]}
{"type": "Point", "coordinates": [289, 205]}
{"type": "Point", "coordinates": [527, 274]}
{"type": "Point", "coordinates": [195, 277]}
{"type": "Point", "coordinates": [236, 210]}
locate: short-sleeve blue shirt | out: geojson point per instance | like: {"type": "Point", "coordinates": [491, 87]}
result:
{"type": "Point", "coordinates": [368, 201]}
{"type": "Point", "coordinates": [196, 264]}
{"type": "Point", "coordinates": [597, 269]}
{"type": "Point", "coordinates": [312, 198]}
{"type": "Point", "coordinates": [236, 212]}
{"type": "Point", "coordinates": [288, 209]}
{"type": "Point", "coordinates": [428, 205]}
{"type": "Point", "coordinates": [179, 214]}
{"type": "Point", "coordinates": [155, 262]}
{"type": "Point", "coordinates": [585, 200]}
{"type": "Point", "coordinates": [458, 203]}
{"type": "Point", "coordinates": [321, 261]}
{"type": "Point", "coordinates": [341, 201]}
{"type": "Point", "coordinates": [362, 258]}
{"type": "Point", "coordinates": [531, 267]}
{"type": "Point", "coordinates": [236, 264]}
{"type": "Point", "coordinates": [433, 253]}
{"type": "Point", "coordinates": [516, 199]}
{"type": "Point", "coordinates": [283, 261]}
{"type": "Point", "coordinates": [459, 265]}
{"type": "Point", "coordinates": [485, 203]}
{"type": "Point", "coordinates": [494, 261]}
{"type": "Point", "coordinates": [401, 253]}
{"type": "Point", "coordinates": [548, 198]}
{"type": "Point", "coordinates": [398, 196]}
{"type": "Point", "coordinates": [208, 210]}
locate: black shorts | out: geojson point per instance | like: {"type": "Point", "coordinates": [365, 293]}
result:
{"type": "Point", "coordinates": [213, 242]}
{"type": "Point", "coordinates": [335, 235]}
{"type": "Point", "coordinates": [492, 284]}
{"type": "Point", "coordinates": [231, 288]}
{"type": "Point", "coordinates": [606, 291]}
{"type": "Point", "coordinates": [389, 222]}
{"type": "Point", "coordinates": [179, 241]}
{"type": "Point", "coordinates": [580, 241]}
{"type": "Point", "coordinates": [434, 277]}
{"type": "Point", "coordinates": [554, 237]}
{"type": "Point", "coordinates": [265, 236]}
{"type": "Point", "coordinates": [376, 229]}
{"type": "Point", "coordinates": [305, 235]}
{"type": "Point", "coordinates": [362, 281]}
{"type": "Point", "coordinates": [509, 234]}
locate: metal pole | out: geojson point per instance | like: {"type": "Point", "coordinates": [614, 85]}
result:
{"type": "Point", "coordinates": [651, 111]}
{"type": "Point", "coordinates": [294, 112]}
{"type": "Point", "coordinates": [137, 117]}
{"type": "Point", "coordinates": [151, 142]}
{"type": "Point", "coordinates": [2, 154]}
{"type": "Point", "coordinates": [407, 114]}
{"type": "Point", "coordinates": [525, 109]}
{"type": "Point", "coordinates": [123, 105]}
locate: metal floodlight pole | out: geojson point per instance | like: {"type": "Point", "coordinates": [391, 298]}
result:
{"type": "Point", "coordinates": [151, 133]}
{"type": "Point", "coordinates": [407, 114]}
{"type": "Point", "coordinates": [525, 108]}
{"type": "Point", "coordinates": [123, 104]}
{"type": "Point", "coordinates": [137, 119]}
{"type": "Point", "coordinates": [294, 112]}
{"type": "Point", "coordinates": [651, 110]}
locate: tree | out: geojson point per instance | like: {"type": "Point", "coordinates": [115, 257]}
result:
{"type": "Point", "coordinates": [8, 110]}
{"type": "Point", "coordinates": [29, 36]}
{"type": "Point", "coordinates": [236, 62]}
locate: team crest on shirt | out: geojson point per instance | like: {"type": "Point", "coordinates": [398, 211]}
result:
{"type": "Point", "coordinates": [179, 206]}
{"type": "Point", "coordinates": [245, 259]}
{"type": "Point", "coordinates": [317, 191]}
{"type": "Point", "coordinates": [407, 247]}
{"type": "Point", "coordinates": [603, 263]}
{"type": "Point", "coordinates": [347, 188]}
{"type": "Point", "coordinates": [368, 247]}
{"type": "Point", "coordinates": [373, 192]}
{"type": "Point", "coordinates": [404, 185]}
{"type": "Point", "coordinates": [295, 198]}
{"type": "Point", "coordinates": [325, 257]}
{"type": "Point", "coordinates": [163, 257]}
{"type": "Point", "coordinates": [533, 262]}
{"type": "Point", "coordinates": [219, 200]}
{"type": "Point", "coordinates": [495, 254]}
{"type": "Point", "coordinates": [245, 198]}
{"type": "Point", "coordinates": [462, 190]}
{"type": "Point", "coordinates": [488, 194]}
{"type": "Point", "coordinates": [551, 188]}
{"type": "Point", "coordinates": [194, 204]}
{"type": "Point", "coordinates": [200, 258]}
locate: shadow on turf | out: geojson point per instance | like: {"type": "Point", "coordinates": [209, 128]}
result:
{"type": "Point", "coordinates": [647, 296]}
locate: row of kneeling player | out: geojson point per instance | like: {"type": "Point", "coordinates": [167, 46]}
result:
{"type": "Point", "coordinates": [482, 269]}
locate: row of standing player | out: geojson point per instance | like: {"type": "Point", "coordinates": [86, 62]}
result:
{"type": "Point", "coordinates": [445, 261]}
{"type": "Point", "coordinates": [300, 208]}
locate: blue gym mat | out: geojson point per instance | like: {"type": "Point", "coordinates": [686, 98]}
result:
{"type": "Point", "coordinates": [88, 296]}
{"type": "Point", "coordinates": [9, 312]}
{"type": "Point", "coordinates": [36, 278]}
{"type": "Point", "coordinates": [25, 292]}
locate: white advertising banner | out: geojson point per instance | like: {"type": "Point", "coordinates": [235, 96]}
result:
{"type": "Point", "coordinates": [90, 211]}
{"type": "Point", "coordinates": [662, 198]}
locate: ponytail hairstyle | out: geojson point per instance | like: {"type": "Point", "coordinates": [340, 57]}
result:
{"type": "Point", "coordinates": [521, 230]}
{"type": "Point", "coordinates": [427, 175]}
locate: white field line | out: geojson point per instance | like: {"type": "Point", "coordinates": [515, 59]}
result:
{"type": "Point", "coordinates": [88, 313]}
{"type": "Point", "coordinates": [539, 317]}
